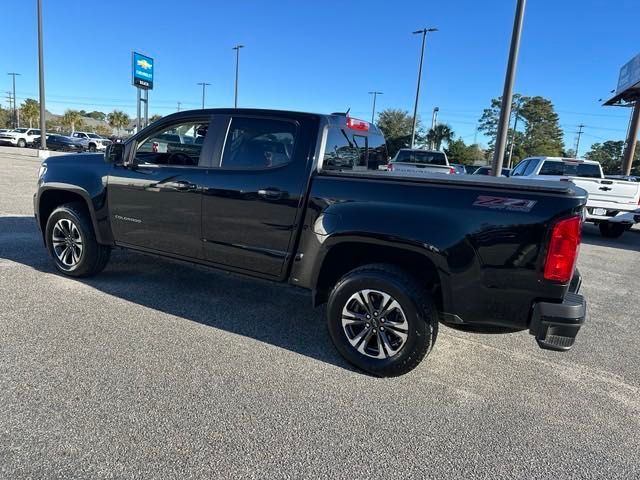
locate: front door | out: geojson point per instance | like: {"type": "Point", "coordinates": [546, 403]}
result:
{"type": "Point", "coordinates": [156, 203]}
{"type": "Point", "coordinates": [253, 195]}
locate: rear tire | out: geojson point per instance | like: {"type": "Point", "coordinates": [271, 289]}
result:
{"type": "Point", "coordinates": [385, 342]}
{"type": "Point", "coordinates": [611, 230]}
{"type": "Point", "coordinates": [72, 243]}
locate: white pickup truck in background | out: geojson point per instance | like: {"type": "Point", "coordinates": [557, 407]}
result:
{"type": "Point", "coordinates": [417, 162]}
{"type": "Point", "coordinates": [610, 201]}
{"type": "Point", "coordinates": [20, 137]}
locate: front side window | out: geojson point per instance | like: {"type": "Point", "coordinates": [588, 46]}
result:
{"type": "Point", "coordinates": [258, 143]}
{"type": "Point", "coordinates": [520, 168]}
{"type": "Point", "coordinates": [179, 145]}
{"type": "Point", "coordinates": [533, 164]}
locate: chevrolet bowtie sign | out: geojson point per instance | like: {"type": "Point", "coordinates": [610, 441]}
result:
{"type": "Point", "coordinates": [142, 73]}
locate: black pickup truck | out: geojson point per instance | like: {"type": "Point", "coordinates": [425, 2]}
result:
{"type": "Point", "coordinates": [298, 198]}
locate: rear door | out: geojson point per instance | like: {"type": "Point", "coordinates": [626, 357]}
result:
{"type": "Point", "coordinates": [253, 197]}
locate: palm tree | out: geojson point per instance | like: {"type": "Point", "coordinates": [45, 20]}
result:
{"type": "Point", "coordinates": [30, 110]}
{"type": "Point", "coordinates": [118, 119]}
{"type": "Point", "coordinates": [440, 133]}
{"type": "Point", "coordinates": [71, 118]}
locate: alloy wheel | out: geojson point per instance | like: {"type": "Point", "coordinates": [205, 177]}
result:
{"type": "Point", "coordinates": [375, 324]}
{"type": "Point", "coordinates": [67, 243]}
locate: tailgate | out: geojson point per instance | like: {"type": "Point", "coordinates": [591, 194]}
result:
{"type": "Point", "coordinates": [418, 168]}
{"type": "Point", "coordinates": [606, 190]}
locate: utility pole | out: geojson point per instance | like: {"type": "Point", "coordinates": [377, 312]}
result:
{"type": "Point", "coordinates": [423, 32]}
{"type": "Point", "coordinates": [16, 121]}
{"type": "Point", "coordinates": [179, 103]}
{"type": "Point", "coordinates": [204, 84]}
{"type": "Point", "coordinates": [43, 121]}
{"type": "Point", "coordinates": [237, 49]}
{"type": "Point", "coordinates": [579, 133]}
{"type": "Point", "coordinates": [434, 122]}
{"type": "Point", "coordinates": [373, 111]}
{"type": "Point", "coordinates": [507, 94]}
{"type": "Point", "coordinates": [632, 138]}
{"type": "Point", "coordinates": [513, 137]}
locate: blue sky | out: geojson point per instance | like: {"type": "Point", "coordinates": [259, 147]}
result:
{"type": "Point", "coordinates": [325, 56]}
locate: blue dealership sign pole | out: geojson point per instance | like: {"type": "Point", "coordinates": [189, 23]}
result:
{"type": "Point", "coordinates": [142, 78]}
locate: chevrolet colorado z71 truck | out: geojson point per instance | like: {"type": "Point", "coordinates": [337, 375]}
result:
{"type": "Point", "coordinates": [298, 198]}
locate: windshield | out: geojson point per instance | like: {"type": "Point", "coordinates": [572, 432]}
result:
{"type": "Point", "coordinates": [421, 156]}
{"type": "Point", "coordinates": [20, 130]}
{"type": "Point", "coordinates": [93, 135]}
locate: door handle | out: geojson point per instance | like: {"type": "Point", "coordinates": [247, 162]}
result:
{"type": "Point", "coordinates": [180, 185]}
{"type": "Point", "coordinates": [271, 193]}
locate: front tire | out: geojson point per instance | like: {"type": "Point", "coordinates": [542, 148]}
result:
{"type": "Point", "coordinates": [22, 142]}
{"type": "Point", "coordinates": [382, 320]}
{"type": "Point", "coordinates": [611, 230]}
{"type": "Point", "coordinates": [72, 243]}
{"type": "Point", "coordinates": [92, 148]}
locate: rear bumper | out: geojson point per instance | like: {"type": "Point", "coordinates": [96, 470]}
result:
{"type": "Point", "coordinates": [556, 325]}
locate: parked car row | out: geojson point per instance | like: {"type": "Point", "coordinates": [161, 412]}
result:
{"type": "Point", "coordinates": [77, 141]}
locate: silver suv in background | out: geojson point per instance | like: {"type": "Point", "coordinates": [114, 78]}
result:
{"type": "Point", "coordinates": [91, 141]}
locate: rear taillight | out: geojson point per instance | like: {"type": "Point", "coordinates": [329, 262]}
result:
{"type": "Point", "coordinates": [452, 171]}
{"type": "Point", "coordinates": [390, 167]}
{"type": "Point", "coordinates": [563, 250]}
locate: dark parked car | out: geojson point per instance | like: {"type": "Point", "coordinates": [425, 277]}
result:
{"type": "Point", "coordinates": [290, 197]}
{"type": "Point", "coordinates": [487, 171]}
{"type": "Point", "coordinates": [60, 143]}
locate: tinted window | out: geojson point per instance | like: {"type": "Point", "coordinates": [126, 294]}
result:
{"type": "Point", "coordinates": [258, 143]}
{"type": "Point", "coordinates": [482, 171]}
{"type": "Point", "coordinates": [520, 168]}
{"type": "Point", "coordinates": [533, 164]}
{"type": "Point", "coordinates": [422, 157]}
{"type": "Point", "coordinates": [559, 168]}
{"type": "Point", "coordinates": [169, 146]}
{"type": "Point", "coordinates": [346, 150]}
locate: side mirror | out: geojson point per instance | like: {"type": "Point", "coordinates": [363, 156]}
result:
{"type": "Point", "coordinates": [114, 153]}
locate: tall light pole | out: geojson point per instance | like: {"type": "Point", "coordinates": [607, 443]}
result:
{"type": "Point", "coordinates": [15, 108]}
{"type": "Point", "coordinates": [204, 84]}
{"type": "Point", "coordinates": [513, 136]}
{"type": "Point", "coordinates": [373, 111]}
{"type": "Point", "coordinates": [579, 133]}
{"type": "Point", "coordinates": [507, 94]}
{"type": "Point", "coordinates": [237, 49]}
{"type": "Point", "coordinates": [434, 122]}
{"type": "Point", "coordinates": [43, 120]}
{"type": "Point", "coordinates": [424, 32]}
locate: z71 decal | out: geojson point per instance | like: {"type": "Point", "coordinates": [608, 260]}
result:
{"type": "Point", "coordinates": [502, 203]}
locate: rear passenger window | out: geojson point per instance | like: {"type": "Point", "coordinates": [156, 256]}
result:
{"type": "Point", "coordinates": [258, 143]}
{"type": "Point", "coordinates": [346, 150]}
{"type": "Point", "coordinates": [552, 168]}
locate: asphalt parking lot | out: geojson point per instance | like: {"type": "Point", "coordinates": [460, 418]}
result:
{"type": "Point", "coordinates": [157, 369]}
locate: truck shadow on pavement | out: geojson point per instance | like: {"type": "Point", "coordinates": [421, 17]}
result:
{"type": "Point", "coordinates": [253, 308]}
{"type": "Point", "coordinates": [629, 240]}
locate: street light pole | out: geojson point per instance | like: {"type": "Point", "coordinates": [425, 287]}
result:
{"type": "Point", "coordinates": [373, 111]}
{"type": "Point", "coordinates": [507, 94]}
{"type": "Point", "coordinates": [204, 84]}
{"type": "Point", "coordinates": [43, 120]}
{"type": "Point", "coordinates": [415, 108]}
{"type": "Point", "coordinates": [434, 122]}
{"type": "Point", "coordinates": [15, 108]}
{"type": "Point", "coordinates": [237, 49]}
